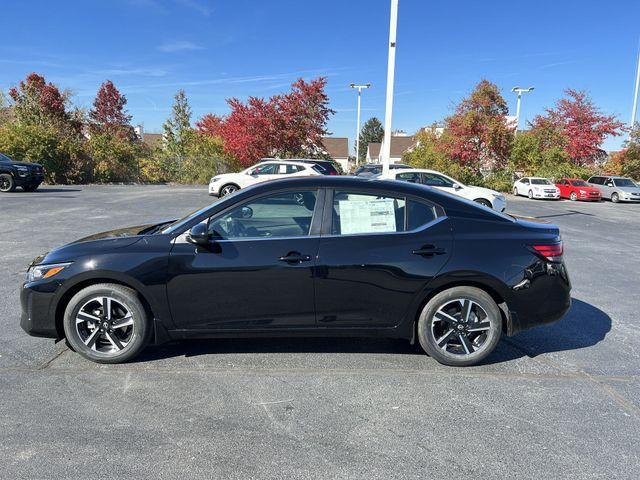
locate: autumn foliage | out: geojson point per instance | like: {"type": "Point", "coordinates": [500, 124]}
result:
{"type": "Point", "coordinates": [287, 125]}
{"type": "Point", "coordinates": [108, 115]}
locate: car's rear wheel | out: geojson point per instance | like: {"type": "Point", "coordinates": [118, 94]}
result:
{"type": "Point", "coordinates": [228, 189]}
{"type": "Point", "coordinates": [615, 198]}
{"type": "Point", "coordinates": [573, 196]}
{"type": "Point", "coordinates": [106, 323]}
{"type": "Point", "coordinates": [530, 194]}
{"type": "Point", "coordinates": [460, 326]}
{"type": "Point", "coordinates": [7, 184]}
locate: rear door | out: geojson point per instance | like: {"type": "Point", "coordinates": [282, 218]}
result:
{"type": "Point", "coordinates": [377, 251]}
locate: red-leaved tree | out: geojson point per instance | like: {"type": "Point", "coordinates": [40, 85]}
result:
{"type": "Point", "coordinates": [286, 125]}
{"type": "Point", "coordinates": [583, 126]}
{"type": "Point", "coordinates": [108, 115]}
{"type": "Point", "coordinates": [38, 102]}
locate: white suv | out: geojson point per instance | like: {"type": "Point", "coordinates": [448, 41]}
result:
{"type": "Point", "coordinates": [536, 187]}
{"type": "Point", "coordinates": [227, 183]}
{"type": "Point", "coordinates": [484, 196]}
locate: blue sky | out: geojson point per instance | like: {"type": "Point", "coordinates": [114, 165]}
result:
{"type": "Point", "coordinates": [216, 49]}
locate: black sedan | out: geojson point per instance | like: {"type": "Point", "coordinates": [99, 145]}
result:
{"type": "Point", "coordinates": [317, 256]}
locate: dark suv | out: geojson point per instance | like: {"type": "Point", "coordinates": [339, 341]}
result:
{"type": "Point", "coordinates": [29, 176]}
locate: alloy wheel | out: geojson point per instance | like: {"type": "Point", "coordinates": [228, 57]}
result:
{"type": "Point", "coordinates": [515, 191]}
{"type": "Point", "coordinates": [530, 194]}
{"type": "Point", "coordinates": [5, 183]}
{"type": "Point", "coordinates": [461, 327]}
{"type": "Point", "coordinates": [573, 196]}
{"type": "Point", "coordinates": [227, 190]}
{"type": "Point", "coordinates": [615, 198]}
{"type": "Point", "coordinates": [105, 325]}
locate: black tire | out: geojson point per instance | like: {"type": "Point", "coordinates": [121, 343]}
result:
{"type": "Point", "coordinates": [7, 183]}
{"type": "Point", "coordinates": [530, 194]}
{"type": "Point", "coordinates": [486, 340]}
{"type": "Point", "coordinates": [615, 198]}
{"type": "Point", "coordinates": [484, 202]}
{"type": "Point", "coordinates": [228, 189]}
{"type": "Point", "coordinates": [573, 196]}
{"type": "Point", "coordinates": [30, 188]}
{"type": "Point", "coordinates": [120, 296]}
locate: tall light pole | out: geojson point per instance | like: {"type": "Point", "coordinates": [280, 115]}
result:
{"type": "Point", "coordinates": [519, 91]}
{"type": "Point", "coordinates": [635, 96]}
{"type": "Point", "coordinates": [359, 87]}
{"type": "Point", "coordinates": [391, 66]}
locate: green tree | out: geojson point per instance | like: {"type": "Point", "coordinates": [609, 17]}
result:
{"type": "Point", "coordinates": [629, 158]}
{"type": "Point", "coordinates": [372, 132]}
{"type": "Point", "coordinates": [178, 126]}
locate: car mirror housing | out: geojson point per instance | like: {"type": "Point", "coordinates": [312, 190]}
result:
{"type": "Point", "coordinates": [457, 186]}
{"type": "Point", "coordinates": [199, 235]}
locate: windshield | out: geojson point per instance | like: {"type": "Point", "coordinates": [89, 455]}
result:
{"type": "Point", "coordinates": [540, 181]}
{"type": "Point", "coordinates": [579, 183]}
{"type": "Point", "coordinates": [624, 182]}
{"type": "Point", "coordinates": [4, 158]}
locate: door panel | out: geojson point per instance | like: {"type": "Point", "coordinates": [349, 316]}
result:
{"type": "Point", "coordinates": [257, 271]}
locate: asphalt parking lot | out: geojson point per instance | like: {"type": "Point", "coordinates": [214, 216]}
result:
{"type": "Point", "coordinates": [560, 401]}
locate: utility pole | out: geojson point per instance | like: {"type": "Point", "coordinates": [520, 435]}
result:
{"type": "Point", "coordinates": [391, 65]}
{"type": "Point", "coordinates": [359, 88]}
{"type": "Point", "coordinates": [635, 96]}
{"type": "Point", "coordinates": [519, 91]}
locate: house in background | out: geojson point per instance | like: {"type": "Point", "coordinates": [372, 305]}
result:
{"type": "Point", "coordinates": [399, 146]}
{"type": "Point", "coordinates": [338, 149]}
{"type": "Point", "coordinates": [152, 140]}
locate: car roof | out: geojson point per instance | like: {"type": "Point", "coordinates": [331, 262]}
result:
{"type": "Point", "coordinates": [284, 162]}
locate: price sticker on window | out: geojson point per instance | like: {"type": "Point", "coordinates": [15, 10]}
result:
{"type": "Point", "coordinates": [367, 216]}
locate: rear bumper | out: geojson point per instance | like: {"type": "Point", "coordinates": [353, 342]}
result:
{"type": "Point", "coordinates": [544, 296]}
{"type": "Point", "coordinates": [37, 303]}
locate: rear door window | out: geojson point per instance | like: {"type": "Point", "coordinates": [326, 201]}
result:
{"type": "Point", "coordinates": [362, 213]}
{"type": "Point", "coordinates": [419, 214]}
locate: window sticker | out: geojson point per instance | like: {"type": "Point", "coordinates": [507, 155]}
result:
{"type": "Point", "coordinates": [368, 216]}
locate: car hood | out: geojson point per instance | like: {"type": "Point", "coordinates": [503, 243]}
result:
{"type": "Point", "coordinates": [485, 191]}
{"type": "Point", "coordinates": [228, 176]}
{"type": "Point", "coordinates": [630, 189]}
{"type": "Point", "coordinates": [104, 241]}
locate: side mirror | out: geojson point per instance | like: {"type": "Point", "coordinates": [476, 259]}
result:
{"type": "Point", "coordinates": [199, 235]}
{"type": "Point", "coordinates": [457, 186]}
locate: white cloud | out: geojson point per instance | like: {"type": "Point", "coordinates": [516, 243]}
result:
{"type": "Point", "coordinates": [179, 46]}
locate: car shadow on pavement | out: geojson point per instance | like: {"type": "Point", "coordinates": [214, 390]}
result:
{"type": "Point", "coordinates": [583, 326]}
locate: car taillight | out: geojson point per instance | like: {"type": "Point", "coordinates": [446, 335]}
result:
{"type": "Point", "coordinates": [552, 252]}
{"type": "Point", "coordinates": [333, 173]}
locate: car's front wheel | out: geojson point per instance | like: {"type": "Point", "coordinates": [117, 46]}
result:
{"type": "Point", "coordinates": [615, 198]}
{"type": "Point", "coordinates": [106, 323]}
{"type": "Point", "coordinates": [7, 184]}
{"type": "Point", "coordinates": [573, 196]}
{"type": "Point", "coordinates": [515, 191]}
{"type": "Point", "coordinates": [484, 202]}
{"type": "Point", "coordinates": [228, 189]}
{"type": "Point", "coordinates": [530, 194]}
{"type": "Point", "coordinates": [460, 326]}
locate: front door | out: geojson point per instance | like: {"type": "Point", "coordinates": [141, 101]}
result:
{"type": "Point", "coordinates": [257, 273]}
{"type": "Point", "coordinates": [378, 251]}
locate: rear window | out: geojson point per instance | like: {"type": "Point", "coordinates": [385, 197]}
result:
{"type": "Point", "coordinates": [419, 214]}
{"type": "Point", "coordinates": [329, 168]}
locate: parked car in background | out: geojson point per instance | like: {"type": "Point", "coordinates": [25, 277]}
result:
{"type": "Point", "coordinates": [325, 167]}
{"type": "Point", "coordinates": [14, 174]}
{"type": "Point", "coordinates": [577, 189]}
{"type": "Point", "coordinates": [372, 169]}
{"type": "Point", "coordinates": [484, 196]}
{"type": "Point", "coordinates": [356, 258]}
{"type": "Point", "coordinates": [616, 189]}
{"type": "Point", "coordinates": [536, 187]}
{"type": "Point", "coordinates": [228, 183]}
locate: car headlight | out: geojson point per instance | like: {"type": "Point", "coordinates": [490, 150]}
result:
{"type": "Point", "coordinates": [213, 179]}
{"type": "Point", "coordinates": [499, 196]}
{"type": "Point", "coordinates": [22, 171]}
{"type": "Point", "coordinates": [583, 192]}
{"type": "Point", "coordinates": [38, 272]}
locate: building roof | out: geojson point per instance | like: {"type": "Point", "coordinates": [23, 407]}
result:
{"type": "Point", "coordinates": [399, 145]}
{"type": "Point", "coordinates": [152, 139]}
{"type": "Point", "coordinates": [336, 147]}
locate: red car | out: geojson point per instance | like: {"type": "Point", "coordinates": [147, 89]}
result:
{"type": "Point", "coordinates": [577, 189]}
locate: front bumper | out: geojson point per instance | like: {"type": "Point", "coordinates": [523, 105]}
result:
{"type": "Point", "coordinates": [214, 189]}
{"type": "Point", "coordinates": [29, 179]}
{"type": "Point", "coordinates": [546, 195]}
{"type": "Point", "coordinates": [499, 204]}
{"type": "Point", "coordinates": [38, 309]}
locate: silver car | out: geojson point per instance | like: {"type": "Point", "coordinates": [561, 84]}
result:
{"type": "Point", "coordinates": [616, 189]}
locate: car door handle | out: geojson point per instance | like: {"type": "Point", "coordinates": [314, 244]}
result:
{"type": "Point", "coordinates": [295, 257]}
{"type": "Point", "coordinates": [429, 251]}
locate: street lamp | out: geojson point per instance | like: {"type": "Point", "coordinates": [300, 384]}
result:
{"type": "Point", "coordinates": [519, 91]}
{"type": "Point", "coordinates": [635, 98]}
{"type": "Point", "coordinates": [359, 88]}
{"type": "Point", "coordinates": [391, 65]}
